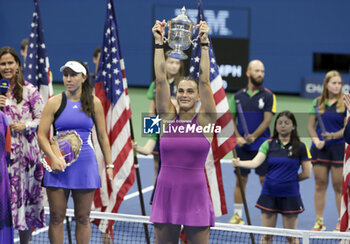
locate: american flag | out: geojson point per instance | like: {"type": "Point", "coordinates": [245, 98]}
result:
{"type": "Point", "coordinates": [111, 88]}
{"type": "Point", "coordinates": [36, 67]}
{"type": "Point", "coordinates": [224, 142]}
{"type": "Point", "coordinates": [345, 201]}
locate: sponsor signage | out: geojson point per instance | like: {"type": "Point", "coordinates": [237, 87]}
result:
{"type": "Point", "coordinates": [311, 87]}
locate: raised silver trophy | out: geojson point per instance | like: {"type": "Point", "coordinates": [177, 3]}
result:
{"type": "Point", "coordinates": [180, 30]}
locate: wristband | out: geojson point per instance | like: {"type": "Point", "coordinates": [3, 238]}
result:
{"type": "Point", "coordinates": [110, 166]}
{"type": "Point", "coordinates": [205, 44]}
{"type": "Point", "coordinates": [158, 46]}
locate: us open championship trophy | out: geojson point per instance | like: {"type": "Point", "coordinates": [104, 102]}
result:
{"type": "Point", "coordinates": [180, 31]}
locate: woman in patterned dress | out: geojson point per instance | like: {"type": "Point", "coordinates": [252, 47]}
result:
{"type": "Point", "coordinates": [23, 106]}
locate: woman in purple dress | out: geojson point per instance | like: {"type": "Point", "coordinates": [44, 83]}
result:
{"type": "Point", "coordinates": [23, 106]}
{"type": "Point", "coordinates": [6, 228]}
{"type": "Point", "coordinates": [81, 111]}
{"type": "Point", "coordinates": [182, 196]}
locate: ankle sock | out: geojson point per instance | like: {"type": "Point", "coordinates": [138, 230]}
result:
{"type": "Point", "coordinates": [238, 209]}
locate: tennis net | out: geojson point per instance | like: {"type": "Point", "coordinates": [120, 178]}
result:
{"type": "Point", "coordinates": [138, 229]}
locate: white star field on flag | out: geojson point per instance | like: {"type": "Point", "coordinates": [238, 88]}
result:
{"type": "Point", "coordinates": [36, 67]}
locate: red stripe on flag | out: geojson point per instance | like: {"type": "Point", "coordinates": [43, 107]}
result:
{"type": "Point", "coordinates": [97, 198]}
{"type": "Point", "coordinates": [129, 181]}
{"type": "Point", "coordinates": [225, 119]}
{"type": "Point", "coordinates": [220, 151]}
{"type": "Point", "coordinates": [344, 209]}
{"type": "Point", "coordinates": [219, 95]}
{"type": "Point", "coordinates": [101, 94]}
{"type": "Point", "coordinates": [119, 125]}
{"type": "Point", "coordinates": [224, 148]}
{"type": "Point", "coordinates": [122, 156]}
{"type": "Point", "coordinates": [347, 153]}
{"type": "Point", "coordinates": [221, 186]}
{"type": "Point", "coordinates": [344, 221]}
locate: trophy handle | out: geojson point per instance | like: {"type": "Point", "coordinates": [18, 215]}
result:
{"type": "Point", "coordinates": [165, 39]}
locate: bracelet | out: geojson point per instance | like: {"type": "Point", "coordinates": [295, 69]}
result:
{"type": "Point", "coordinates": [205, 44]}
{"type": "Point", "coordinates": [110, 166]}
{"type": "Point", "coordinates": [158, 46]}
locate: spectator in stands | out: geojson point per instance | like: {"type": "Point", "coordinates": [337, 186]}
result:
{"type": "Point", "coordinates": [326, 131]}
{"type": "Point", "coordinates": [284, 154]}
{"type": "Point", "coordinates": [24, 48]}
{"type": "Point", "coordinates": [95, 60]}
{"type": "Point", "coordinates": [258, 105]}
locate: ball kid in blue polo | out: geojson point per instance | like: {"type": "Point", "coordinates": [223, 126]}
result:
{"type": "Point", "coordinates": [325, 127]}
{"type": "Point", "coordinates": [285, 154]}
{"type": "Point", "coordinates": [253, 107]}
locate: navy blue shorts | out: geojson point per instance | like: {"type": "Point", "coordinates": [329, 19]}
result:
{"type": "Point", "coordinates": [283, 205]}
{"type": "Point", "coordinates": [249, 155]}
{"type": "Point", "coordinates": [330, 155]}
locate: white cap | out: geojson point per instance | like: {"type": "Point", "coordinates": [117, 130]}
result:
{"type": "Point", "coordinates": [75, 66]}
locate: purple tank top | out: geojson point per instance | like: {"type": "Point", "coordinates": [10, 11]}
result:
{"type": "Point", "coordinates": [182, 145]}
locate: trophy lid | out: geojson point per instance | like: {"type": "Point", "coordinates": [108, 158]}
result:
{"type": "Point", "coordinates": [182, 17]}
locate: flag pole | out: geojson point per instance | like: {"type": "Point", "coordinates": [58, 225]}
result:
{"type": "Point", "coordinates": [139, 187]}
{"type": "Point", "coordinates": [69, 230]}
{"type": "Point", "coordinates": [239, 178]}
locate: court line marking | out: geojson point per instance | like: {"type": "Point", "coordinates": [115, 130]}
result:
{"type": "Point", "coordinates": [223, 161]}
{"type": "Point", "coordinates": [38, 231]}
{"type": "Point", "coordinates": [136, 193]}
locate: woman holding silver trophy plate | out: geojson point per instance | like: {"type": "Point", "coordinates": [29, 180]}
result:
{"type": "Point", "coordinates": [182, 196]}
{"type": "Point", "coordinates": [73, 114]}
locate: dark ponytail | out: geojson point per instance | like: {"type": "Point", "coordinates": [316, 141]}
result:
{"type": "Point", "coordinates": [87, 99]}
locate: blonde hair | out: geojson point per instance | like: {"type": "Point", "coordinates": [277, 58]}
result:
{"type": "Point", "coordinates": [324, 97]}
